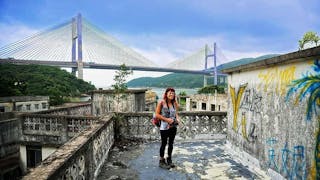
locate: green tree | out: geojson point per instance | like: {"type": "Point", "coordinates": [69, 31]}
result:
{"type": "Point", "coordinates": [120, 88]}
{"type": "Point", "coordinates": [309, 37]}
{"type": "Point", "coordinates": [33, 80]}
{"type": "Point", "coordinates": [182, 93]}
{"type": "Point", "coordinates": [211, 89]}
{"type": "Point", "coordinates": [120, 85]}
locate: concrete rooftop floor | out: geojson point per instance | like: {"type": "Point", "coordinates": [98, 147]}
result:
{"type": "Point", "coordinates": [210, 159]}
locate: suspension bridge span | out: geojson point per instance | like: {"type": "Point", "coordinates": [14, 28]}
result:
{"type": "Point", "coordinates": [78, 44]}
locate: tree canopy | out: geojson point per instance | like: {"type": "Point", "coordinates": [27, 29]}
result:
{"type": "Point", "coordinates": [120, 85]}
{"type": "Point", "coordinates": [32, 80]}
{"type": "Point", "coordinates": [211, 89]}
{"type": "Point", "coordinates": [308, 37]}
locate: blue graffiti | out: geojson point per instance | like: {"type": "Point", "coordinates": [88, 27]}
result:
{"type": "Point", "coordinates": [316, 66]}
{"type": "Point", "coordinates": [293, 164]}
{"type": "Point", "coordinates": [309, 84]}
{"type": "Point", "coordinates": [285, 157]}
{"type": "Point", "coordinates": [271, 154]}
{"type": "Point", "coordinates": [299, 164]}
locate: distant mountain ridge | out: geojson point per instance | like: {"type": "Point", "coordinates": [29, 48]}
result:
{"type": "Point", "coordinates": [183, 80]}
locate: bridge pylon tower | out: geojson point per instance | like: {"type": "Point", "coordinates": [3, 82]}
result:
{"type": "Point", "coordinates": [207, 55]}
{"type": "Point", "coordinates": [77, 45]}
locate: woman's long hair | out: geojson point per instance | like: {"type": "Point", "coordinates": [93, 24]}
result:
{"type": "Point", "coordinates": [166, 98]}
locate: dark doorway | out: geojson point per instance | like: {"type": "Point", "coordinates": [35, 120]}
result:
{"type": "Point", "coordinates": [34, 156]}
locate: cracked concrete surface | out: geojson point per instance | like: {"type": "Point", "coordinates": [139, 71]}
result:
{"type": "Point", "coordinates": [194, 160]}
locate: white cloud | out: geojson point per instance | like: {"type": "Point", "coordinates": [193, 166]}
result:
{"type": "Point", "coordinates": [12, 32]}
{"type": "Point", "coordinates": [159, 55]}
{"type": "Point", "coordinates": [168, 48]}
{"type": "Point", "coordinates": [104, 78]}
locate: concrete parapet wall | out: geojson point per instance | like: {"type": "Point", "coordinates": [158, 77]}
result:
{"type": "Point", "coordinates": [272, 113]}
{"type": "Point", "coordinates": [105, 101]}
{"type": "Point", "coordinates": [52, 130]}
{"type": "Point", "coordinates": [9, 137]}
{"type": "Point", "coordinates": [79, 158]}
{"type": "Point", "coordinates": [6, 115]}
{"type": "Point", "coordinates": [9, 147]}
{"type": "Point", "coordinates": [195, 125]}
{"type": "Point", "coordinates": [78, 110]}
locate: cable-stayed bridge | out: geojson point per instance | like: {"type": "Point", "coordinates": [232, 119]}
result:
{"type": "Point", "coordinates": [78, 44]}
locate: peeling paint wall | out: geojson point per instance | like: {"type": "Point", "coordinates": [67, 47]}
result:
{"type": "Point", "coordinates": [9, 146]}
{"type": "Point", "coordinates": [105, 102]}
{"type": "Point", "coordinates": [269, 116]}
{"type": "Point", "coordinates": [213, 102]}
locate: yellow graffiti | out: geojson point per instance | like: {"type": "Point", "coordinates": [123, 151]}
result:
{"type": "Point", "coordinates": [236, 103]}
{"type": "Point", "coordinates": [244, 126]}
{"type": "Point", "coordinates": [277, 79]}
{"type": "Point", "coordinates": [315, 167]}
{"type": "Point", "coordinates": [312, 171]}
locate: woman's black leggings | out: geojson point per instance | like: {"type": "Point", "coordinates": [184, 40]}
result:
{"type": "Point", "coordinates": [165, 134]}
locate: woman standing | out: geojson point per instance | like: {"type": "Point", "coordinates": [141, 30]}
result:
{"type": "Point", "coordinates": [166, 111]}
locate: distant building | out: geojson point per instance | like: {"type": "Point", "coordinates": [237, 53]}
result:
{"type": "Point", "coordinates": [103, 101]}
{"type": "Point", "coordinates": [24, 103]}
{"type": "Point", "coordinates": [206, 102]}
{"type": "Point", "coordinates": [151, 100]}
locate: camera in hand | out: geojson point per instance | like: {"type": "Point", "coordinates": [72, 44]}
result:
{"type": "Point", "coordinates": [175, 122]}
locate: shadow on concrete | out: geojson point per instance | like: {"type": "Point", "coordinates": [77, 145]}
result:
{"type": "Point", "coordinates": [194, 160]}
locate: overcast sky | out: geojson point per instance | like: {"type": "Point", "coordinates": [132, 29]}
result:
{"type": "Point", "coordinates": [167, 30]}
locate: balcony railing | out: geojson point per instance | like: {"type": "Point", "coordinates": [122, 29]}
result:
{"type": "Point", "coordinates": [83, 156]}
{"type": "Point", "coordinates": [194, 125]}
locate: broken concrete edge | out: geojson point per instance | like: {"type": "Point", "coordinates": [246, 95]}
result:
{"type": "Point", "coordinates": [251, 162]}
{"type": "Point", "coordinates": [57, 160]}
{"type": "Point", "coordinates": [301, 55]}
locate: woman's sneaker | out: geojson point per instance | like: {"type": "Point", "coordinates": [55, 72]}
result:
{"type": "Point", "coordinates": [163, 164]}
{"type": "Point", "coordinates": [170, 163]}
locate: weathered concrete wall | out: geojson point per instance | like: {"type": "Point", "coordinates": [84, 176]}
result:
{"type": "Point", "coordinates": [105, 101]}
{"type": "Point", "coordinates": [23, 158]}
{"type": "Point", "coordinates": [278, 128]}
{"type": "Point", "coordinates": [9, 147]}
{"type": "Point", "coordinates": [45, 152]}
{"type": "Point", "coordinates": [194, 102]}
{"type": "Point", "coordinates": [24, 103]}
{"type": "Point", "coordinates": [6, 115]}
{"type": "Point", "coordinates": [79, 158]}
{"type": "Point", "coordinates": [78, 110]}
{"type": "Point", "coordinates": [194, 125]}
{"type": "Point", "coordinates": [48, 129]}
{"type": "Point", "coordinates": [52, 130]}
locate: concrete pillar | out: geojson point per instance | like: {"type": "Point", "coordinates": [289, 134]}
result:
{"type": "Point", "coordinates": [79, 35]}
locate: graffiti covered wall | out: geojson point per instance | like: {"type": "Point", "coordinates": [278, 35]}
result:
{"type": "Point", "coordinates": [273, 115]}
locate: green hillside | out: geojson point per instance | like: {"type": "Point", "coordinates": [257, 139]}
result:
{"type": "Point", "coordinates": [175, 80]}
{"type": "Point", "coordinates": [31, 80]}
{"type": "Point", "coordinates": [190, 80]}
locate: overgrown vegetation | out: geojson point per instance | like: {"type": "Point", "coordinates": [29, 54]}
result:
{"type": "Point", "coordinates": [211, 89]}
{"type": "Point", "coordinates": [182, 93]}
{"type": "Point", "coordinates": [309, 37]}
{"type": "Point", "coordinates": [120, 88]}
{"type": "Point", "coordinates": [120, 85]}
{"type": "Point", "coordinates": [33, 80]}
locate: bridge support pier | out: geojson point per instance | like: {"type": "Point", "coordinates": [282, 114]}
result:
{"type": "Point", "coordinates": [205, 80]}
{"type": "Point", "coordinates": [80, 70]}
{"type": "Point", "coordinates": [74, 71]}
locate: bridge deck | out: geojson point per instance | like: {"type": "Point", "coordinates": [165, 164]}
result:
{"type": "Point", "coordinates": [195, 160]}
